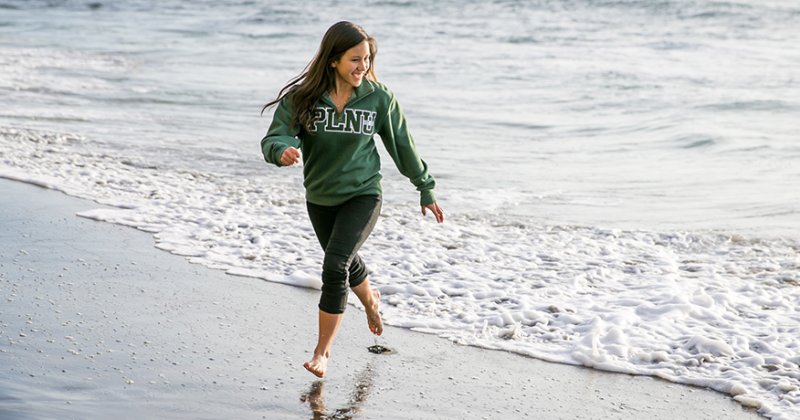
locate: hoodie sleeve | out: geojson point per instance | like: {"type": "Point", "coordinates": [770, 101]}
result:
{"type": "Point", "coordinates": [281, 135]}
{"type": "Point", "coordinates": [400, 145]}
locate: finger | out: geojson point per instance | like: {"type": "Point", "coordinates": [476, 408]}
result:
{"type": "Point", "coordinates": [290, 156]}
{"type": "Point", "coordinates": [439, 213]}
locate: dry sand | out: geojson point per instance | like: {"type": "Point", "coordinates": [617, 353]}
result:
{"type": "Point", "coordinates": [96, 323]}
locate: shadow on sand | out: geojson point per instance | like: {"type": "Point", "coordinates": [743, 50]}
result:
{"type": "Point", "coordinates": [315, 399]}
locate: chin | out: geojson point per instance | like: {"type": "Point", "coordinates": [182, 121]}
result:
{"type": "Point", "coordinates": [357, 82]}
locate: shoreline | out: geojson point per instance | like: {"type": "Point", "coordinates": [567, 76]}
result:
{"type": "Point", "coordinates": [97, 322]}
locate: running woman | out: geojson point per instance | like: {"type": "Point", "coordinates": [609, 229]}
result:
{"type": "Point", "coordinates": [331, 112]}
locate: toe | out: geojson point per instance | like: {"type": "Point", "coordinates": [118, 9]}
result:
{"type": "Point", "coordinates": [313, 369]}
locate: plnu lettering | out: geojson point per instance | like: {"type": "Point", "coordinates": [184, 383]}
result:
{"type": "Point", "coordinates": [353, 121]}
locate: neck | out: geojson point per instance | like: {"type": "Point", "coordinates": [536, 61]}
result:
{"type": "Point", "coordinates": [342, 88]}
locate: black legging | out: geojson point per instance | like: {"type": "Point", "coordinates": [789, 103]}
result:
{"type": "Point", "coordinates": [341, 231]}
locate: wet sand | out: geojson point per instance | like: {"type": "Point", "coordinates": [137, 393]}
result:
{"type": "Point", "coordinates": [97, 323]}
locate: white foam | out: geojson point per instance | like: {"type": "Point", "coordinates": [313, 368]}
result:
{"type": "Point", "coordinates": [703, 309]}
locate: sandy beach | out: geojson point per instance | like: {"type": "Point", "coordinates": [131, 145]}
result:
{"type": "Point", "coordinates": [97, 323]}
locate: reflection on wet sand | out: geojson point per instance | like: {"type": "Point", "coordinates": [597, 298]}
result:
{"type": "Point", "coordinates": [316, 401]}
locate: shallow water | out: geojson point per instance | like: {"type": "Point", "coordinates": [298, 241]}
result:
{"type": "Point", "coordinates": [620, 177]}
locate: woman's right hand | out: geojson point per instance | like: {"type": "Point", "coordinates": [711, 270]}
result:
{"type": "Point", "coordinates": [290, 156]}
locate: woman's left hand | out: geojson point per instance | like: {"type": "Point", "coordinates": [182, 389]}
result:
{"type": "Point", "coordinates": [436, 210]}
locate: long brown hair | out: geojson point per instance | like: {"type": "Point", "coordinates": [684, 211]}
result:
{"type": "Point", "coordinates": [319, 77]}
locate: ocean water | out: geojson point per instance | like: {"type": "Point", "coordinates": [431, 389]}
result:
{"type": "Point", "coordinates": [620, 178]}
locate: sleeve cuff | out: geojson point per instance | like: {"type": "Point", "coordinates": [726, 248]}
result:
{"type": "Point", "coordinates": [426, 197]}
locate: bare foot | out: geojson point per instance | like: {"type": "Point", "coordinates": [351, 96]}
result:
{"type": "Point", "coordinates": [318, 365]}
{"type": "Point", "coordinates": [373, 315]}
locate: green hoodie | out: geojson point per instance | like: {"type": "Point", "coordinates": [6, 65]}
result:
{"type": "Point", "coordinates": [339, 157]}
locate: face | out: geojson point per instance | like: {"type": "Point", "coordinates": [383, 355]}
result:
{"type": "Point", "coordinates": [353, 65]}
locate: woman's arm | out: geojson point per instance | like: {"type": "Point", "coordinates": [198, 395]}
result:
{"type": "Point", "coordinates": [401, 147]}
{"type": "Point", "coordinates": [280, 144]}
